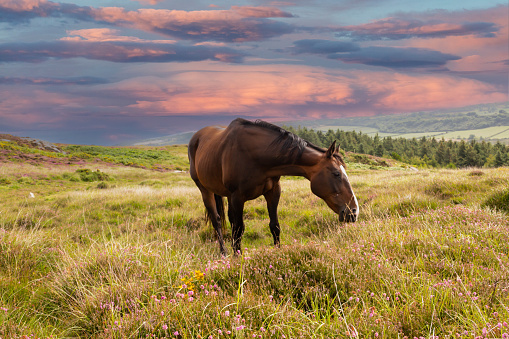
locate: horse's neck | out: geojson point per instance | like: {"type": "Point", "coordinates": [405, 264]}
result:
{"type": "Point", "coordinates": [303, 167]}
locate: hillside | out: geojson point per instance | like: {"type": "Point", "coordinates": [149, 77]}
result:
{"type": "Point", "coordinates": [489, 122]}
{"type": "Point", "coordinates": [38, 152]}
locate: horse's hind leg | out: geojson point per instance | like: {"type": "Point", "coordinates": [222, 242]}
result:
{"type": "Point", "coordinates": [211, 207]}
{"type": "Point", "coordinates": [235, 214]}
{"type": "Point", "coordinates": [272, 198]}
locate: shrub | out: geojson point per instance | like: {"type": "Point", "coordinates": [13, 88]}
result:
{"type": "Point", "coordinates": [88, 175]}
{"type": "Point", "coordinates": [499, 200]}
{"type": "Point", "coordinates": [5, 181]}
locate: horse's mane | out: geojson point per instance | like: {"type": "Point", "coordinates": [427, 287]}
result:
{"type": "Point", "coordinates": [287, 142]}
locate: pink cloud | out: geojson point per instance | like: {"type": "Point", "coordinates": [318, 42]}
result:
{"type": "Point", "coordinates": [277, 92]}
{"type": "Point", "coordinates": [149, 2]}
{"type": "Point", "coordinates": [487, 51]}
{"type": "Point", "coordinates": [285, 91]}
{"type": "Point", "coordinates": [260, 12]}
{"type": "Point", "coordinates": [22, 5]}
{"type": "Point", "coordinates": [237, 24]}
{"type": "Point", "coordinates": [398, 28]}
{"type": "Point", "coordinates": [106, 34]}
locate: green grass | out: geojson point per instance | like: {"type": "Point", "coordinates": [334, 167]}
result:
{"type": "Point", "coordinates": [124, 252]}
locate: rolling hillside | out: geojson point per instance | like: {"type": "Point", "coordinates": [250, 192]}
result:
{"type": "Point", "coordinates": [489, 122]}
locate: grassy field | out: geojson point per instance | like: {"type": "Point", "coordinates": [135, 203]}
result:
{"type": "Point", "coordinates": [98, 248]}
{"type": "Point", "coordinates": [490, 133]}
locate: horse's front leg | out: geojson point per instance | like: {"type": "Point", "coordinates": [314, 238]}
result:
{"type": "Point", "coordinates": [235, 214]}
{"type": "Point", "coordinates": [272, 197]}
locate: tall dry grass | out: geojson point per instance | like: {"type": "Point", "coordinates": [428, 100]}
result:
{"type": "Point", "coordinates": [134, 258]}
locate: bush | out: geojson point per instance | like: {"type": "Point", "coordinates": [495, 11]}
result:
{"type": "Point", "coordinates": [5, 181]}
{"type": "Point", "coordinates": [498, 200]}
{"type": "Point", "coordinates": [88, 175]}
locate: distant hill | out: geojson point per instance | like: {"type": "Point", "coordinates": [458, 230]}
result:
{"type": "Point", "coordinates": [173, 139]}
{"type": "Point", "coordinates": [486, 121]}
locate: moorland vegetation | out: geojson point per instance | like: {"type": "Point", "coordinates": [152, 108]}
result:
{"type": "Point", "coordinates": [111, 242]}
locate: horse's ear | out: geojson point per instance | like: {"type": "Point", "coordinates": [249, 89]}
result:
{"type": "Point", "coordinates": [337, 148]}
{"type": "Point", "coordinates": [331, 150]}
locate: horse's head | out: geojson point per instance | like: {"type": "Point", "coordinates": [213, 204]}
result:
{"type": "Point", "coordinates": [330, 182]}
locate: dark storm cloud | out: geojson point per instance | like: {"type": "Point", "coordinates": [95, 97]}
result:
{"type": "Point", "coordinates": [115, 52]}
{"type": "Point", "coordinates": [397, 29]}
{"type": "Point", "coordinates": [396, 57]}
{"type": "Point", "coordinates": [318, 46]}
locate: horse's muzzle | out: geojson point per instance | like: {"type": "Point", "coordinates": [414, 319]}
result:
{"type": "Point", "coordinates": [348, 216]}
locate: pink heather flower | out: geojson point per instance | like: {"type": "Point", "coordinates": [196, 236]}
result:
{"type": "Point", "coordinates": [484, 331]}
{"type": "Point", "coordinates": [165, 327]}
{"type": "Point", "coordinates": [163, 297]}
{"type": "Point", "coordinates": [372, 294]}
{"type": "Point", "coordinates": [227, 313]}
{"type": "Point", "coordinates": [219, 331]}
{"type": "Point", "coordinates": [190, 293]}
{"type": "Point", "coordinates": [211, 337]}
{"type": "Point", "coordinates": [202, 287]}
{"type": "Point", "coordinates": [173, 300]}
{"type": "Point", "coordinates": [184, 286]}
{"type": "Point", "coordinates": [376, 334]}
{"type": "Point", "coordinates": [191, 298]}
{"type": "Point", "coordinates": [270, 266]}
{"type": "Point", "coordinates": [228, 332]}
{"type": "Point", "coordinates": [262, 329]}
{"type": "Point", "coordinates": [4, 309]}
{"type": "Point", "coordinates": [176, 333]}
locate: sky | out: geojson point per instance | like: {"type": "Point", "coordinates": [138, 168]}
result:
{"type": "Point", "coordinates": [113, 72]}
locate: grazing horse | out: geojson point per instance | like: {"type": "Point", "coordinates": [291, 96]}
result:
{"type": "Point", "coordinates": [247, 159]}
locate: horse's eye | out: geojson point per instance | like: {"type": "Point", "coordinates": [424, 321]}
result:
{"type": "Point", "coordinates": [337, 174]}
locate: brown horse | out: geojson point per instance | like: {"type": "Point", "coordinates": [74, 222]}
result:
{"type": "Point", "coordinates": [247, 159]}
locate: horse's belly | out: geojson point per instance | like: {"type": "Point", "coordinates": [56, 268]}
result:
{"type": "Point", "coordinates": [212, 180]}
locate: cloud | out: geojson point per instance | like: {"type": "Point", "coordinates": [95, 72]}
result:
{"type": "Point", "coordinates": [261, 12]}
{"type": "Point", "coordinates": [398, 28]}
{"type": "Point", "coordinates": [106, 34]}
{"type": "Point", "coordinates": [52, 81]}
{"type": "Point", "coordinates": [115, 52]}
{"type": "Point", "coordinates": [238, 24]}
{"type": "Point", "coordinates": [270, 91]}
{"type": "Point", "coordinates": [395, 57]}
{"type": "Point", "coordinates": [392, 57]}
{"type": "Point", "coordinates": [149, 2]}
{"type": "Point", "coordinates": [20, 11]}
{"type": "Point", "coordinates": [298, 91]}
{"type": "Point", "coordinates": [318, 46]}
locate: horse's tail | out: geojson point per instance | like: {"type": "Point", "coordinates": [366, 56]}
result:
{"type": "Point", "coordinates": [220, 210]}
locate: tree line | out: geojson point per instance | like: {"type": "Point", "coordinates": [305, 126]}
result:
{"type": "Point", "coordinates": [422, 152]}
